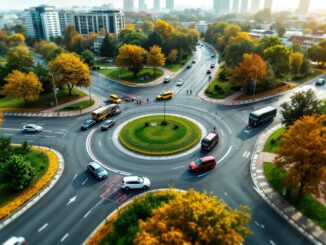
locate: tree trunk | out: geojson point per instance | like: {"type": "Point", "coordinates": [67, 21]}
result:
{"type": "Point", "coordinates": [70, 89]}
{"type": "Point", "coordinates": [26, 102]}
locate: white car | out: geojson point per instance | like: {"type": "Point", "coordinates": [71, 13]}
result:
{"type": "Point", "coordinates": [135, 182]}
{"type": "Point", "coordinates": [15, 241]}
{"type": "Point", "coordinates": [32, 128]}
{"type": "Point", "coordinates": [180, 82]}
{"type": "Point", "coordinates": [320, 82]}
{"type": "Point", "coordinates": [167, 79]}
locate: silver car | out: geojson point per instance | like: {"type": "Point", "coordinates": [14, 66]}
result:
{"type": "Point", "coordinates": [32, 128]}
{"type": "Point", "coordinates": [135, 182]}
{"type": "Point", "coordinates": [97, 170]}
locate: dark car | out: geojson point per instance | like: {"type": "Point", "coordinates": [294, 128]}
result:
{"type": "Point", "coordinates": [320, 82]}
{"type": "Point", "coordinates": [209, 71]}
{"type": "Point", "coordinates": [213, 56]}
{"type": "Point", "coordinates": [212, 66]}
{"type": "Point", "coordinates": [97, 170]}
{"type": "Point", "coordinates": [88, 123]}
{"type": "Point", "coordinates": [107, 124]}
{"type": "Point", "coordinates": [189, 66]}
{"type": "Point", "coordinates": [203, 163]}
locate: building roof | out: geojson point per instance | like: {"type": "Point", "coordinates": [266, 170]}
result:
{"type": "Point", "coordinates": [301, 39]}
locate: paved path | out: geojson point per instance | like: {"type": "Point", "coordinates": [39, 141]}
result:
{"type": "Point", "coordinates": [315, 233]}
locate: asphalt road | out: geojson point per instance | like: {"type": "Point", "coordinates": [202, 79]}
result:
{"type": "Point", "coordinates": [78, 203]}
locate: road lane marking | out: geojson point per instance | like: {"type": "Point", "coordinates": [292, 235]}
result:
{"type": "Point", "coordinates": [225, 194]}
{"type": "Point", "coordinates": [84, 181]}
{"type": "Point", "coordinates": [201, 175]}
{"type": "Point", "coordinates": [8, 134]}
{"type": "Point", "coordinates": [100, 144]}
{"type": "Point", "coordinates": [178, 167]}
{"type": "Point", "coordinates": [87, 213]}
{"type": "Point", "coordinates": [13, 129]}
{"type": "Point", "coordinates": [244, 153]}
{"type": "Point", "coordinates": [248, 154]}
{"type": "Point", "coordinates": [256, 223]}
{"type": "Point", "coordinates": [64, 237]}
{"type": "Point", "coordinates": [74, 177]}
{"type": "Point", "coordinates": [271, 242]}
{"type": "Point", "coordinates": [71, 200]}
{"type": "Point", "coordinates": [43, 227]}
{"type": "Point", "coordinates": [227, 153]}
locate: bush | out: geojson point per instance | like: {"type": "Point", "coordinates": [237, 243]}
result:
{"type": "Point", "coordinates": [24, 149]}
{"type": "Point", "coordinates": [224, 74]}
{"type": "Point", "coordinates": [236, 87]}
{"type": "Point", "coordinates": [164, 123]}
{"type": "Point", "coordinates": [176, 127]}
{"type": "Point", "coordinates": [5, 148]}
{"type": "Point", "coordinates": [146, 124]}
{"type": "Point", "coordinates": [217, 87]}
{"type": "Point", "coordinates": [273, 141]}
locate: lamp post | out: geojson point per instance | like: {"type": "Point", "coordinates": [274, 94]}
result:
{"type": "Point", "coordinates": [255, 80]}
{"type": "Point", "coordinates": [54, 89]}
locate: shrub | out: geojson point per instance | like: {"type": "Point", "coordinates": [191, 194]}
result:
{"type": "Point", "coordinates": [23, 149]}
{"type": "Point", "coordinates": [164, 123]}
{"type": "Point", "coordinates": [217, 87]}
{"type": "Point", "coordinates": [176, 127]}
{"type": "Point", "coordinates": [273, 141]}
{"type": "Point", "coordinates": [224, 74]}
{"type": "Point", "coordinates": [236, 87]}
{"type": "Point", "coordinates": [146, 124]}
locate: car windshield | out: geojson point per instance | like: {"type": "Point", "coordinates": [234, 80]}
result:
{"type": "Point", "coordinates": [100, 169]}
{"type": "Point", "coordinates": [253, 117]}
{"type": "Point", "coordinates": [107, 123]}
{"type": "Point", "coordinates": [141, 180]}
{"type": "Point", "coordinates": [87, 121]}
{"type": "Point", "coordinates": [205, 143]}
{"type": "Point", "coordinates": [198, 162]}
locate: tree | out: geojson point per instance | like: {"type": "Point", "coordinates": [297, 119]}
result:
{"type": "Point", "coordinates": [88, 57]}
{"type": "Point", "coordinates": [109, 47]}
{"type": "Point", "coordinates": [164, 29]}
{"type": "Point", "coordinates": [317, 53]}
{"type": "Point", "coordinates": [73, 71]}
{"type": "Point", "coordinates": [267, 42]}
{"type": "Point", "coordinates": [135, 38]}
{"type": "Point", "coordinates": [173, 55]}
{"type": "Point", "coordinates": [155, 58]}
{"type": "Point", "coordinates": [303, 155]}
{"type": "Point", "coordinates": [281, 31]}
{"type": "Point", "coordinates": [42, 74]}
{"type": "Point", "coordinates": [231, 31]}
{"type": "Point", "coordinates": [234, 52]}
{"type": "Point", "coordinates": [201, 219]}
{"type": "Point", "coordinates": [124, 33]}
{"type": "Point", "coordinates": [253, 66]}
{"type": "Point", "coordinates": [296, 62]}
{"type": "Point", "coordinates": [305, 66]}
{"type": "Point", "coordinates": [302, 103]}
{"type": "Point", "coordinates": [70, 31]}
{"type": "Point", "coordinates": [132, 57]}
{"type": "Point", "coordinates": [153, 38]}
{"type": "Point", "coordinates": [15, 39]}
{"type": "Point", "coordinates": [48, 50]}
{"type": "Point", "coordinates": [17, 172]}
{"type": "Point", "coordinates": [19, 58]}
{"type": "Point", "coordinates": [147, 27]}
{"type": "Point", "coordinates": [5, 148]}
{"type": "Point", "coordinates": [263, 15]}
{"type": "Point", "coordinates": [22, 86]}
{"type": "Point", "coordinates": [279, 58]}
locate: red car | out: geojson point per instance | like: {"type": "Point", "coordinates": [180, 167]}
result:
{"type": "Point", "coordinates": [203, 163]}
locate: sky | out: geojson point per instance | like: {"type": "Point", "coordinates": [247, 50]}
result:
{"type": "Point", "coordinates": [21, 4]}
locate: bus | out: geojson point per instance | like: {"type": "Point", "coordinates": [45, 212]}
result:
{"type": "Point", "coordinates": [104, 112]}
{"type": "Point", "coordinates": [209, 141]}
{"type": "Point", "coordinates": [261, 116]}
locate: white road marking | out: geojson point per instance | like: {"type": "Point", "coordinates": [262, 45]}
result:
{"type": "Point", "coordinates": [84, 181]}
{"type": "Point", "coordinates": [244, 153]}
{"type": "Point", "coordinates": [49, 136]}
{"type": "Point", "coordinates": [13, 129]}
{"type": "Point", "coordinates": [87, 213]}
{"type": "Point", "coordinates": [59, 132]}
{"type": "Point", "coordinates": [71, 200]}
{"type": "Point", "coordinates": [43, 227]}
{"type": "Point", "coordinates": [201, 175]}
{"type": "Point", "coordinates": [227, 153]}
{"type": "Point", "coordinates": [225, 193]}
{"type": "Point", "coordinates": [74, 177]}
{"type": "Point", "coordinates": [8, 134]}
{"type": "Point", "coordinates": [256, 223]}
{"type": "Point", "coordinates": [248, 154]}
{"type": "Point", "coordinates": [262, 226]}
{"type": "Point", "coordinates": [178, 167]}
{"type": "Point", "coordinates": [271, 242]}
{"type": "Point", "coordinates": [222, 133]}
{"type": "Point", "coordinates": [64, 237]}
{"type": "Point", "coordinates": [100, 144]}
{"type": "Point", "coordinates": [48, 131]}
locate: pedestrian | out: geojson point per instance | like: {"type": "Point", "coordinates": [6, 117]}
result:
{"type": "Point", "coordinates": [190, 91]}
{"type": "Point", "coordinates": [214, 128]}
{"type": "Point", "coordinates": [147, 100]}
{"type": "Point", "coordinates": [187, 91]}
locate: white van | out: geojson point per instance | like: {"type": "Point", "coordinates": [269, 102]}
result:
{"type": "Point", "coordinates": [167, 79]}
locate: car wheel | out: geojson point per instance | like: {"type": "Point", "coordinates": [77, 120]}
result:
{"type": "Point", "coordinates": [127, 188]}
{"type": "Point", "coordinates": [145, 187]}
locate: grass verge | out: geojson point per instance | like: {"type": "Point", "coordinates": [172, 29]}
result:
{"type": "Point", "coordinates": [220, 89]}
{"type": "Point", "coordinates": [315, 73]}
{"type": "Point", "coordinates": [177, 66]}
{"type": "Point", "coordinates": [79, 106]}
{"type": "Point", "coordinates": [308, 205]}
{"type": "Point", "coordinates": [273, 143]}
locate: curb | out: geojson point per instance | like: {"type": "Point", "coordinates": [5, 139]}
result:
{"type": "Point", "coordinates": [307, 228]}
{"type": "Point", "coordinates": [107, 219]}
{"type": "Point", "coordinates": [37, 197]}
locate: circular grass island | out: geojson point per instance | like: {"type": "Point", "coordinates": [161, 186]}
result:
{"type": "Point", "coordinates": [151, 135]}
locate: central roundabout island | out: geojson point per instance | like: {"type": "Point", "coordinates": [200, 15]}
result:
{"type": "Point", "coordinates": [156, 135]}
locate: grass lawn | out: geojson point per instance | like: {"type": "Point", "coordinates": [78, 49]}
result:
{"type": "Point", "coordinates": [324, 107]}
{"type": "Point", "coordinates": [273, 143]}
{"type": "Point", "coordinates": [316, 73]}
{"type": "Point", "coordinates": [11, 104]}
{"type": "Point", "coordinates": [308, 205]}
{"type": "Point", "coordinates": [146, 75]}
{"type": "Point", "coordinates": [148, 136]}
{"type": "Point", "coordinates": [39, 161]}
{"type": "Point", "coordinates": [224, 89]}
{"type": "Point", "coordinates": [177, 66]}
{"type": "Point", "coordinates": [79, 106]}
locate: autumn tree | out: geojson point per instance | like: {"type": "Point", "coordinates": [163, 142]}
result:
{"type": "Point", "coordinates": [279, 58]}
{"type": "Point", "coordinates": [252, 67]}
{"type": "Point", "coordinates": [201, 219]}
{"type": "Point", "coordinates": [234, 52]}
{"type": "Point", "coordinates": [48, 50]}
{"type": "Point", "coordinates": [22, 86]}
{"type": "Point", "coordinates": [153, 38]}
{"type": "Point", "coordinates": [317, 53]}
{"type": "Point", "coordinates": [296, 62]}
{"type": "Point", "coordinates": [164, 28]}
{"type": "Point", "coordinates": [147, 27]}
{"type": "Point", "coordinates": [88, 57]}
{"type": "Point", "coordinates": [70, 31]}
{"type": "Point", "coordinates": [240, 37]}
{"type": "Point", "coordinates": [131, 57]}
{"type": "Point", "coordinates": [72, 71]}
{"type": "Point", "coordinates": [15, 39]}
{"type": "Point", "coordinates": [155, 58]}
{"type": "Point", "coordinates": [302, 103]}
{"type": "Point", "coordinates": [303, 155]}
{"type": "Point", "coordinates": [19, 58]}
{"type": "Point", "coordinates": [267, 42]}
{"type": "Point", "coordinates": [172, 57]}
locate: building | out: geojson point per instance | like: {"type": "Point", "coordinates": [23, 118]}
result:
{"type": "Point", "coordinates": [303, 7]}
{"type": "Point", "coordinates": [170, 4]}
{"type": "Point", "coordinates": [42, 22]}
{"type": "Point", "coordinates": [9, 20]}
{"type": "Point", "coordinates": [111, 20]}
{"type": "Point", "coordinates": [142, 6]}
{"type": "Point", "coordinates": [259, 34]}
{"type": "Point", "coordinates": [157, 5]}
{"type": "Point", "coordinates": [66, 18]}
{"type": "Point", "coordinates": [221, 6]}
{"type": "Point", "coordinates": [236, 6]}
{"type": "Point", "coordinates": [202, 26]}
{"type": "Point", "coordinates": [98, 42]}
{"type": "Point", "coordinates": [255, 6]}
{"type": "Point", "coordinates": [244, 6]}
{"type": "Point", "coordinates": [304, 41]}
{"type": "Point", "coordinates": [128, 5]}
{"type": "Point", "coordinates": [268, 4]}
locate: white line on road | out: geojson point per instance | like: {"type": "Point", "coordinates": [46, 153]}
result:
{"type": "Point", "coordinates": [74, 177]}
{"type": "Point", "coordinates": [178, 167]}
{"type": "Point", "coordinates": [87, 213]}
{"type": "Point", "coordinates": [201, 175]}
{"type": "Point", "coordinates": [71, 200]}
{"type": "Point", "coordinates": [64, 237]}
{"type": "Point", "coordinates": [244, 153]}
{"type": "Point", "coordinates": [248, 154]}
{"type": "Point", "coordinates": [225, 155]}
{"type": "Point", "coordinates": [14, 129]}
{"type": "Point", "coordinates": [225, 193]}
{"type": "Point", "coordinates": [8, 134]}
{"type": "Point", "coordinates": [100, 143]}
{"type": "Point", "coordinates": [271, 242]}
{"type": "Point", "coordinates": [256, 223]}
{"type": "Point", "coordinates": [49, 136]}
{"type": "Point", "coordinates": [84, 181]}
{"type": "Point", "coordinates": [43, 227]}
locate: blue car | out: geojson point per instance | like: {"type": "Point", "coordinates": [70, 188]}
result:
{"type": "Point", "coordinates": [88, 123]}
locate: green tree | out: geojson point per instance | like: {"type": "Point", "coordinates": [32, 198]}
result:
{"type": "Point", "coordinates": [135, 38]}
{"type": "Point", "coordinates": [5, 148]}
{"type": "Point", "coordinates": [155, 58]}
{"type": "Point", "coordinates": [267, 42]}
{"type": "Point", "coordinates": [296, 62]}
{"type": "Point", "coordinates": [279, 58]}
{"type": "Point", "coordinates": [17, 172]}
{"type": "Point", "coordinates": [42, 74]}
{"type": "Point", "coordinates": [305, 66]}
{"type": "Point", "coordinates": [88, 57]}
{"type": "Point", "coordinates": [70, 31]}
{"type": "Point", "coordinates": [19, 58]}
{"type": "Point", "coordinates": [109, 47]}
{"type": "Point", "coordinates": [303, 103]}
{"type": "Point", "coordinates": [153, 38]}
{"type": "Point", "coordinates": [147, 27]}
{"type": "Point", "coordinates": [317, 53]}
{"type": "Point", "coordinates": [234, 52]}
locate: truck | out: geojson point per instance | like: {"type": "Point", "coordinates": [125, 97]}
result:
{"type": "Point", "coordinates": [262, 115]}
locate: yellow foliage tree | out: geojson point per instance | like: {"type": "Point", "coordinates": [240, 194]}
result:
{"type": "Point", "coordinates": [155, 58]}
{"type": "Point", "coordinates": [296, 60]}
{"type": "Point", "coordinates": [71, 71]}
{"type": "Point", "coordinates": [240, 37]}
{"type": "Point", "coordinates": [194, 218]}
{"type": "Point", "coordinates": [303, 155]}
{"type": "Point", "coordinates": [130, 27]}
{"type": "Point", "coordinates": [19, 58]}
{"type": "Point", "coordinates": [253, 66]}
{"type": "Point", "coordinates": [131, 57]}
{"type": "Point", "coordinates": [21, 85]}
{"type": "Point", "coordinates": [164, 28]}
{"type": "Point", "coordinates": [173, 55]}
{"type": "Point", "coordinates": [15, 39]}
{"type": "Point", "coordinates": [231, 31]}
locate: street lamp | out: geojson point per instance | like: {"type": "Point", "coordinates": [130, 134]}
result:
{"type": "Point", "coordinates": [255, 80]}
{"type": "Point", "coordinates": [54, 88]}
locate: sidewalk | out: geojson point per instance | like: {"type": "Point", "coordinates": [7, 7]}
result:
{"type": "Point", "coordinates": [304, 225]}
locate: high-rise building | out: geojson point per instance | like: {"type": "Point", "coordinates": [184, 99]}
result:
{"type": "Point", "coordinates": [111, 20]}
{"type": "Point", "coordinates": [244, 6]}
{"type": "Point", "coordinates": [128, 5]}
{"type": "Point", "coordinates": [236, 6]}
{"type": "Point", "coordinates": [221, 6]}
{"type": "Point", "coordinates": [157, 5]}
{"type": "Point", "coordinates": [170, 4]}
{"type": "Point", "coordinates": [65, 18]}
{"type": "Point", "coordinates": [42, 22]}
{"type": "Point", "coordinates": [255, 6]}
{"type": "Point", "coordinates": [303, 7]}
{"type": "Point", "coordinates": [142, 5]}
{"type": "Point", "coordinates": [268, 4]}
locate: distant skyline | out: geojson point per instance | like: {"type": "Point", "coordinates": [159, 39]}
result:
{"type": "Point", "coordinates": [207, 4]}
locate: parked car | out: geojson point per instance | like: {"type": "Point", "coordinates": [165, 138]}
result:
{"type": "Point", "coordinates": [167, 79]}
{"type": "Point", "coordinates": [135, 182]}
{"type": "Point", "coordinates": [203, 163]}
{"type": "Point", "coordinates": [180, 82]}
{"type": "Point", "coordinates": [107, 124]}
{"type": "Point", "coordinates": [320, 82]}
{"type": "Point", "coordinates": [88, 123]}
{"type": "Point", "coordinates": [189, 66]}
{"type": "Point", "coordinates": [15, 241]}
{"type": "Point", "coordinates": [209, 71]}
{"type": "Point", "coordinates": [97, 170]}
{"type": "Point", "coordinates": [32, 128]}
{"type": "Point", "coordinates": [212, 66]}
{"type": "Point", "coordinates": [165, 95]}
{"type": "Point", "coordinates": [213, 56]}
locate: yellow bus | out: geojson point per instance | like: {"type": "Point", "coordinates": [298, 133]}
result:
{"type": "Point", "coordinates": [104, 112]}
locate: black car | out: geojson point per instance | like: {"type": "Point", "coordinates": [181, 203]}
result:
{"type": "Point", "coordinates": [88, 123]}
{"type": "Point", "coordinates": [213, 56]}
{"type": "Point", "coordinates": [107, 124]}
{"type": "Point", "coordinates": [189, 66]}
